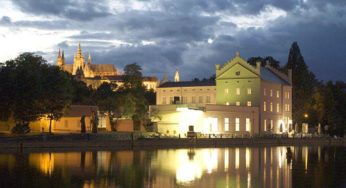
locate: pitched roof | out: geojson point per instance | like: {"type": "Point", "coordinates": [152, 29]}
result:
{"type": "Point", "coordinates": [188, 84]}
{"type": "Point", "coordinates": [103, 68]}
{"type": "Point", "coordinates": [268, 75]}
{"type": "Point", "coordinates": [150, 78]}
{"type": "Point", "coordinates": [80, 110]}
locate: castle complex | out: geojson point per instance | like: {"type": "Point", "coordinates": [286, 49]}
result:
{"type": "Point", "coordinates": [95, 74]}
{"type": "Point", "coordinates": [242, 100]}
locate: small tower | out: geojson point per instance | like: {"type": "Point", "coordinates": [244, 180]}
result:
{"type": "Point", "coordinates": [176, 76]}
{"type": "Point", "coordinates": [78, 61]}
{"type": "Point", "coordinates": [63, 58]}
{"type": "Point", "coordinates": [59, 62]}
{"type": "Point", "coordinates": [89, 59]}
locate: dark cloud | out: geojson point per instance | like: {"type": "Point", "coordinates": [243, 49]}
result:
{"type": "Point", "coordinates": [77, 10]}
{"type": "Point", "coordinates": [180, 31]}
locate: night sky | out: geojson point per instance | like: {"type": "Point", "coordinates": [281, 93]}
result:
{"type": "Point", "coordinates": [188, 35]}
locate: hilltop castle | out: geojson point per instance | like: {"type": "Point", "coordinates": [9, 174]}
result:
{"type": "Point", "coordinates": [95, 74]}
{"type": "Point", "coordinates": [89, 70]}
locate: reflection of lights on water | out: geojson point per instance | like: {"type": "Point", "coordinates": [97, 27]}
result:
{"type": "Point", "coordinates": [188, 172]}
{"type": "Point", "coordinates": [226, 159]}
{"type": "Point", "coordinates": [210, 159]}
{"type": "Point", "coordinates": [248, 158]}
{"type": "Point", "coordinates": [44, 161]}
{"type": "Point", "coordinates": [236, 158]}
{"type": "Point", "coordinates": [248, 179]}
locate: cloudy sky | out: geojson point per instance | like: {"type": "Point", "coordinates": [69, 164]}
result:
{"type": "Point", "coordinates": [188, 35]}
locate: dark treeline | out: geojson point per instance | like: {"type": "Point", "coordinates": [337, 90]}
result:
{"type": "Point", "coordinates": [31, 89]}
{"type": "Point", "coordinates": [323, 102]}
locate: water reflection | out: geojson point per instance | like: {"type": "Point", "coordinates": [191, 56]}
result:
{"type": "Point", "coordinates": [212, 167]}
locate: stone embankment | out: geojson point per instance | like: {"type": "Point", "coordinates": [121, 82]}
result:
{"type": "Point", "coordinates": [115, 141]}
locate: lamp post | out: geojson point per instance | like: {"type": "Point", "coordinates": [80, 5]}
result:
{"type": "Point", "coordinates": [306, 120]}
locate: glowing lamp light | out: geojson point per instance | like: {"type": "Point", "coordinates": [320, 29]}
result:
{"type": "Point", "coordinates": [306, 115]}
{"type": "Point", "coordinates": [182, 109]}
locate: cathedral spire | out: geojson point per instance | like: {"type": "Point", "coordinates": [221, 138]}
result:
{"type": "Point", "coordinates": [79, 49]}
{"type": "Point", "coordinates": [59, 54]}
{"type": "Point", "coordinates": [63, 57]}
{"type": "Point", "coordinates": [89, 59]}
{"type": "Point", "coordinates": [176, 76]}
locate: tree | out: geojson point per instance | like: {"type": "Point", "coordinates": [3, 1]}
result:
{"type": "Point", "coordinates": [57, 93]}
{"type": "Point", "coordinates": [303, 83]}
{"type": "Point", "coordinates": [133, 76]}
{"type": "Point", "coordinates": [30, 89]}
{"type": "Point", "coordinates": [108, 102]}
{"type": "Point", "coordinates": [272, 62]}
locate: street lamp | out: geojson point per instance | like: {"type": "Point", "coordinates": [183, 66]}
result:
{"type": "Point", "coordinates": [306, 115]}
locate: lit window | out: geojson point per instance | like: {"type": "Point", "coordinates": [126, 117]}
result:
{"type": "Point", "coordinates": [288, 95]}
{"type": "Point", "coordinates": [226, 90]}
{"type": "Point", "coordinates": [164, 100]}
{"type": "Point", "coordinates": [264, 91]}
{"type": "Point", "coordinates": [238, 91]}
{"type": "Point", "coordinates": [208, 99]}
{"type": "Point", "coordinates": [193, 99]}
{"type": "Point", "coordinates": [265, 125]}
{"type": "Point", "coordinates": [226, 124]}
{"type": "Point", "coordinates": [277, 107]}
{"type": "Point", "coordinates": [248, 125]}
{"type": "Point", "coordinates": [249, 91]}
{"type": "Point", "coordinates": [271, 92]}
{"type": "Point", "coordinates": [271, 106]}
{"type": "Point", "coordinates": [184, 100]}
{"type": "Point", "coordinates": [264, 106]}
{"type": "Point", "coordinates": [237, 103]}
{"type": "Point", "coordinates": [237, 124]}
{"type": "Point", "coordinates": [288, 107]}
{"type": "Point", "coordinates": [277, 93]}
{"type": "Point", "coordinates": [200, 99]}
{"type": "Point", "coordinates": [271, 124]}
{"type": "Point", "coordinates": [248, 103]}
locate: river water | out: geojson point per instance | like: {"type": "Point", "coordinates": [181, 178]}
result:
{"type": "Point", "coordinates": [318, 166]}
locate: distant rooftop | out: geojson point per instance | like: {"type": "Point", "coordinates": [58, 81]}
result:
{"type": "Point", "coordinates": [189, 84]}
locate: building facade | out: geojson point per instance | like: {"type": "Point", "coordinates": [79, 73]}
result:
{"type": "Point", "coordinates": [242, 99]}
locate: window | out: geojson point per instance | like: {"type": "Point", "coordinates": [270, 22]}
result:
{"type": "Point", "coordinates": [237, 124]}
{"type": "Point", "coordinates": [248, 125]}
{"type": "Point", "coordinates": [163, 100]}
{"type": "Point", "coordinates": [200, 99]}
{"type": "Point", "coordinates": [237, 73]}
{"type": "Point", "coordinates": [184, 100]}
{"type": "Point", "coordinates": [277, 93]}
{"type": "Point", "coordinates": [264, 91]}
{"type": "Point", "coordinates": [264, 106]}
{"type": "Point", "coordinates": [249, 91]}
{"type": "Point", "coordinates": [271, 106]}
{"type": "Point", "coordinates": [193, 99]}
{"type": "Point", "coordinates": [226, 124]}
{"type": "Point", "coordinates": [66, 124]}
{"type": "Point", "coordinates": [265, 124]}
{"type": "Point", "coordinates": [288, 107]}
{"type": "Point", "coordinates": [208, 99]}
{"type": "Point", "coordinates": [288, 95]}
{"type": "Point", "coordinates": [248, 103]}
{"type": "Point", "coordinates": [238, 91]}
{"type": "Point", "coordinates": [226, 90]}
{"type": "Point", "coordinates": [277, 107]}
{"type": "Point", "coordinates": [171, 101]}
{"type": "Point", "coordinates": [271, 124]}
{"type": "Point", "coordinates": [271, 92]}
{"type": "Point", "coordinates": [237, 103]}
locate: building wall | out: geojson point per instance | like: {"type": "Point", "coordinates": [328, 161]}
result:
{"type": "Point", "coordinates": [276, 95]}
{"type": "Point", "coordinates": [187, 95]}
{"type": "Point", "coordinates": [176, 119]}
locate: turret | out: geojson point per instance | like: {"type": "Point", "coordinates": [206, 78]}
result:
{"type": "Point", "coordinates": [176, 76]}
{"type": "Point", "coordinates": [59, 62]}
{"type": "Point", "coordinates": [89, 59]}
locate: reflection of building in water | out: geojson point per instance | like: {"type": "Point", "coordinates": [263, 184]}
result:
{"type": "Point", "coordinates": [42, 161]}
{"type": "Point", "coordinates": [240, 167]}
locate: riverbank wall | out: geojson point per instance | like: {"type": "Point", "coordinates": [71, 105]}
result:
{"type": "Point", "coordinates": [125, 141]}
